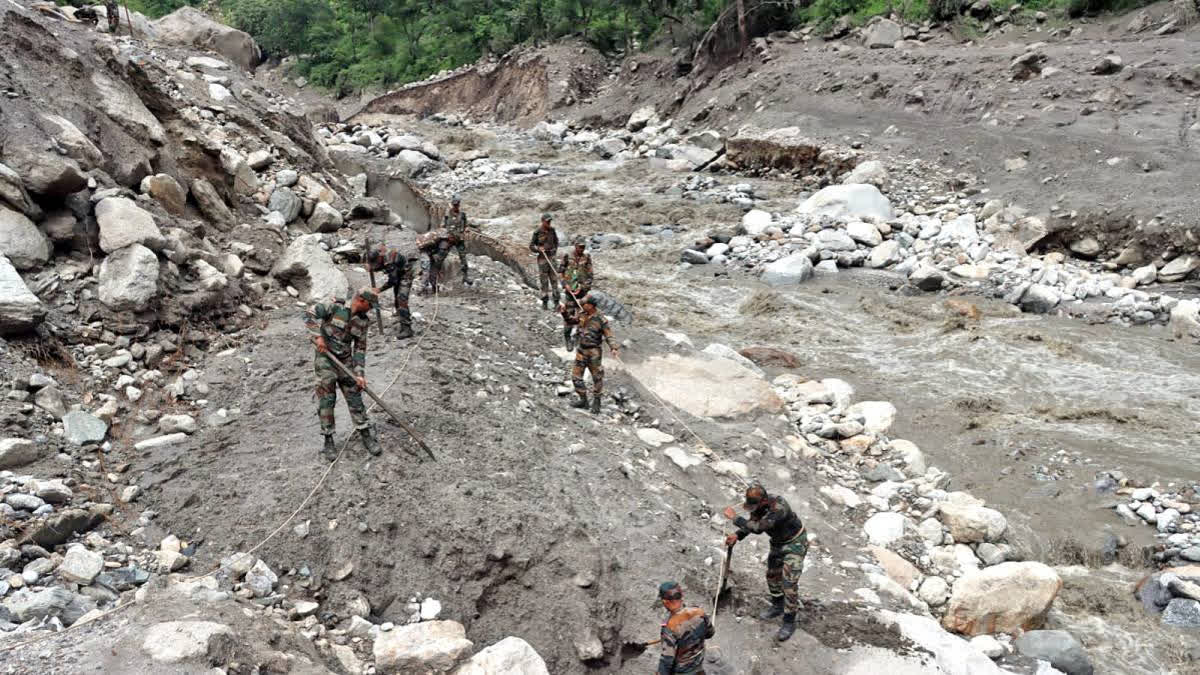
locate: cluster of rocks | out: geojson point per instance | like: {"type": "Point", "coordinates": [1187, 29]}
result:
{"type": "Point", "coordinates": [1173, 595]}
{"type": "Point", "coordinates": [415, 156]}
{"type": "Point", "coordinates": [708, 190]}
{"type": "Point", "coordinates": [1171, 513]}
{"type": "Point", "coordinates": [946, 242]}
{"type": "Point", "coordinates": [645, 136]}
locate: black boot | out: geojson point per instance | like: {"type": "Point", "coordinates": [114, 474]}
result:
{"type": "Point", "coordinates": [466, 279]}
{"type": "Point", "coordinates": [329, 452]}
{"type": "Point", "coordinates": [406, 331]}
{"type": "Point", "coordinates": [788, 627]}
{"type": "Point", "coordinates": [568, 338]}
{"type": "Point", "coordinates": [369, 441]}
{"type": "Point", "coordinates": [774, 611]}
{"type": "Point", "coordinates": [596, 403]}
{"type": "Point", "coordinates": [582, 402]}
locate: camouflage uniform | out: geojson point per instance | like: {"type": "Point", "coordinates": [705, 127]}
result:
{"type": "Point", "coordinates": [590, 356]}
{"type": "Point", "coordinates": [114, 15]}
{"type": "Point", "coordinates": [345, 335]}
{"type": "Point", "coordinates": [400, 274]}
{"type": "Point", "coordinates": [456, 225]}
{"type": "Point", "coordinates": [789, 546]}
{"type": "Point", "coordinates": [545, 240]}
{"type": "Point", "coordinates": [436, 246]}
{"type": "Point", "coordinates": [577, 282]}
{"type": "Point", "coordinates": [683, 635]}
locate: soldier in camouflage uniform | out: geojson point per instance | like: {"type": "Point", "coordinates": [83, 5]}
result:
{"type": "Point", "coordinates": [773, 516]}
{"type": "Point", "coordinates": [544, 246]}
{"type": "Point", "coordinates": [576, 270]}
{"type": "Point", "coordinates": [455, 222]}
{"type": "Point", "coordinates": [593, 328]}
{"type": "Point", "coordinates": [400, 273]}
{"type": "Point", "coordinates": [683, 634]}
{"type": "Point", "coordinates": [341, 330]}
{"type": "Point", "coordinates": [436, 245]}
{"type": "Point", "coordinates": [113, 10]}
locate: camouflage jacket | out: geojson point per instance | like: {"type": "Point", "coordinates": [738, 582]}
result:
{"type": "Point", "coordinates": [683, 635]}
{"type": "Point", "coordinates": [775, 519]}
{"type": "Point", "coordinates": [455, 223]}
{"type": "Point", "coordinates": [345, 333]}
{"type": "Point", "coordinates": [576, 272]}
{"type": "Point", "coordinates": [544, 239]}
{"type": "Point", "coordinates": [593, 329]}
{"type": "Point", "coordinates": [397, 268]}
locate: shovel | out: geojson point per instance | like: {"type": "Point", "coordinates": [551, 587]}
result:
{"type": "Point", "coordinates": [632, 650]}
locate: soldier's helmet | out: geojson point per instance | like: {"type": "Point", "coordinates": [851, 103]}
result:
{"type": "Point", "coordinates": [670, 590]}
{"type": "Point", "coordinates": [375, 256]}
{"type": "Point", "coordinates": [368, 294]}
{"type": "Point", "coordinates": [756, 495]}
{"type": "Point", "coordinates": [580, 241]}
{"type": "Point", "coordinates": [589, 300]}
{"type": "Point", "coordinates": [455, 200]}
{"type": "Point", "coordinates": [546, 217]}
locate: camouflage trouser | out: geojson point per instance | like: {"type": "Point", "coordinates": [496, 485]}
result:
{"type": "Point", "coordinates": [400, 293]}
{"type": "Point", "coordinates": [784, 565]}
{"type": "Point", "coordinates": [461, 247]}
{"type": "Point", "coordinates": [436, 259]}
{"type": "Point", "coordinates": [590, 359]}
{"type": "Point", "coordinates": [546, 278]}
{"type": "Point", "coordinates": [329, 379]}
{"type": "Point", "coordinates": [114, 15]}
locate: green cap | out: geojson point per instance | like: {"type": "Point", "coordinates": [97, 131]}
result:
{"type": "Point", "coordinates": [546, 217]}
{"type": "Point", "coordinates": [670, 590]}
{"type": "Point", "coordinates": [369, 295]}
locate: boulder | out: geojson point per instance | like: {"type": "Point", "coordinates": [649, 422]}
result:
{"type": "Point", "coordinates": [12, 190]}
{"type": "Point", "coordinates": [934, 591]}
{"type": "Point", "coordinates": [25, 246]}
{"type": "Point", "coordinates": [308, 267]}
{"type": "Point", "coordinates": [43, 172]}
{"type": "Point", "coordinates": [1058, 647]}
{"type": "Point", "coordinates": [1039, 299]}
{"type": "Point", "coordinates": [210, 203]}
{"type": "Point", "coordinates": [416, 161]}
{"type": "Point", "coordinates": [166, 191]}
{"type": "Point", "coordinates": [325, 218]}
{"type": "Point", "coordinates": [118, 101]}
{"type": "Point", "coordinates": [50, 399]}
{"type": "Point", "coordinates": [641, 117]}
{"type": "Point", "coordinates": [128, 278]}
{"type": "Point", "coordinates": [707, 139]}
{"type": "Point", "coordinates": [756, 221]}
{"type": "Point", "coordinates": [687, 382]}
{"type": "Point", "coordinates": [793, 269]}
{"type": "Point", "coordinates": [123, 223]}
{"type": "Point", "coordinates": [1179, 268]}
{"type": "Point", "coordinates": [188, 26]}
{"type": "Point", "coordinates": [884, 254]}
{"type": "Point", "coordinates": [884, 528]}
{"type": "Point", "coordinates": [27, 605]}
{"type": "Point", "coordinates": [870, 172]}
{"type": "Point", "coordinates": [972, 523]}
{"type": "Point", "coordinates": [926, 277]}
{"type": "Point", "coordinates": [949, 653]}
{"type": "Point", "coordinates": [726, 352]}
{"type": "Point", "coordinates": [878, 415]}
{"type": "Point", "coordinates": [17, 452]}
{"type": "Point", "coordinates": [848, 202]}
{"type": "Point", "coordinates": [1185, 318]}
{"type": "Point", "coordinates": [61, 526]}
{"type": "Point", "coordinates": [427, 647]}
{"type": "Point", "coordinates": [80, 566]}
{"type": "Point", "coordinates": [1003, 598]}
{"type": "Point", "coordinates": [510, 656]}
{"type": "Point", "coordinates": [20, 309]}
{"type": "Point", "coordinates": [1182, 613]}
{"type": "Point", "coordinates": [694, 156]}
{"type": "Point", "coordinates": [60, 226]}
{"type": "Point", "coordinates": [286, 203]}
{"type": "Point", "coordinates": [245, 181]}
{"type": "Point", "coordinates": [179, 641]}
{"type": "Point", "coordinates": [882, 34]}
{"type": "Point", "coordinates": [73, 142]}
{"type": "Point", "coordinates": [864, 233]}
{"type": "Point", "coordinates": [80, 428]}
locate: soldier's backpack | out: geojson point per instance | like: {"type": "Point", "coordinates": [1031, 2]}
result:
{"type": "Point", "coordinates": [429, 240]}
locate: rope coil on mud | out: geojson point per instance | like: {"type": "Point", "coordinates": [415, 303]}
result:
{"type": "Point", "coordinates": [317, 486]}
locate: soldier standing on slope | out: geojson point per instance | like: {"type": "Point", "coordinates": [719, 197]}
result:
{"type": "Point", "coordinates": [544, 245]}
{"type": "Point", "coordinates": [341, 331]}
{"type": "Point", "coordinates": [455, 222]}
{"type": "Point", "coordinates": [683, 634]}
{"type": "Point", "coordinates": [400, 273]}
{"type": "Point", "coordinates": [593, 328]}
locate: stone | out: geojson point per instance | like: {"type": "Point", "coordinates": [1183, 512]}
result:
{"type": "Point", "coordinates": [898, 569]}
{"type": "Point", "coordinates": [1107, 65]}
{"type": "Point", "coordinates": [1003, 598]}
{"type": "Point", "coordinates": [325, 218]}
{"type": "Point", "coordinates": [169, 424]}
{"type": "Point", "coordinates": [416, 162]}
{"type": "Point", "coordinates": [884, 254]}
{"type": "Point", "coordinates": [310, 269]}
{"type": "Point", "coordinates": [52, 491]}
{"type": "Point", "coordinates": [870, 172]}
{"type": "Point", "coordinates": [510, 656]}
{"type": "Point", "coordinates": [878, 416]}
{"type": "Point", "coordinates": [286, 203]}
{"type": "Point", "coordinates": [178, 641]}
{"type": "Point", "coordinates": [686, 382]}
{"type": "Point", "coordinates": [60, 527]}
{"type": "Point", "coordinates": [682, 458]}
{"type": "Point", "coordinates": [430, 646]}
{"type": "Point", "coordinates": [160, 441]}
{"type": "Point", "coordinates": [260, 579]}
{"type": "Point", "coordinates": [12, 190]}
{"type": "Point", "coordinates": [286, 178]}
{"type": "Point", "coordinates": [1184, 322]}
{"type": "Point", "coordinates": [80, 566]}
{"type": "Point", "coordinates": [653, 437]}
{"type": "Point", "coordinates": [707, 139]}
{"type": "Point", "coordinates": [881, 34]}
{"type": "Point", "coordinates": [864, 233]}
{"type": "Point", "coordinates": [756, 221]}
{"type": "Point", "coordinates": [608, 147]}
{"type": "Point", "coordinates": [211, 205]}
{"type": "Point", "coordinates": [830, 239]}
{"type": "Point", "coordinates": [1059, 647]}
{"type": "Point", "coordinates": [971, 523]}
{"type": "Point", "coordinates": [61, 227]}
{"type": "Point", "coordinates": [884, 528]}
{"type": "Point", "coordinates": [124, 223]}
{"type": "Point", "coordinates": [1039, 299]}
{"type": "Point", "coordinates": [731, 468]}
{"type": "Point", "coordinates": [988, 646]}
{"type": "Point", "coordinates": [166, 191]}
{"type": "Point", "coordinates": [206, 62]}
{"type": "Point", "coordinates": [27, 605]}
{"type": "Point", "coordinates": [1179, 268]}
{"type": "Point", "coordinates": [231, 265]}
{"type": "Point", "coordinates": [934, 591]}
{"type": "Point", "coordinates": [1145, 275]}
{"type": "Point", "coordinates": [51, 400]}
{"type": "Point", "coordinates": [259, 159]}
{"type": "Point", "coordinates": [128, 278]}
{"type": "Point", "coordinates": [842, 496]}
{"type": "Point", "coordinates": [17, 452]}
{"type": "Point", "coordinates": [430, 609]}
{"type": "Point", "coordinates": [1182, 613]}
{"type": "Point", "coordinates": [847, 202]}
{"type": "Point", "coordinates": [25, 246]}
{"type": "Point", "coordinates": [640, 118]}
{"type": "Point", "coordinates": [189, 26]}
{"type": "Point", "coordinates": [43, 172]}
{"type": "Point", "coordinates": [914, 459]}
{"type": "Point", "coordinates": [20, 309]}
{"type": "Point", "coordinates": [118, 101]}
{"type": "Point", "coordinates": [726, 352]}
{"type": "Point", "coordinates": [1087, 247]}
{"type": "Point", "coordinates": [926, 277]}
{"type": "Point", "coordinates": [245, 181]}
{"type": "Point", "coordinates": [588, 646]}
{"type": "Point", "coordinates": [790, 270]}
{"type": "Point", "coordinates": [948, 653]}
{"type": "Point", "coordinates": [694, 257]}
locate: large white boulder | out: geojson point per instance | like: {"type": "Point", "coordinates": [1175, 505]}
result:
{"type": "Point", "coordinates": [881, 34]}
{"type": "Point", "coordinates": [25, 246]}
{"type": "Point", "coordinates": [178, 641]}
{"type": "Point", "coordinates": [128, 278]}
{"type": "Point", "coordinates": [310, 269]}
{"type": "Point", "coordinates": [188, 26]}
{"type": "Point", "coordinates": [884, 528]}
{"type": "Point", "coordinates": [972, 523]}
{"type": "Point", "coordinates": [870, 172]}
{"type": "Point", "coordinates": [855, 200]}
{"type": "Point", "coordinates": [706, 386]}
{"type": "Point", "coordinates": [20, 309]}
{"type": "Point", "coordinates": [793, 269]}
{"type": "Point", "coordinates": [878, 416]}
{"type": "Point", "coordinates": [950, 653]}
{"type": "Point", "coordinates": [1185, 319]}
{"type": "Point", "coordinates": [1003, 598]}
{"type": "Point", "coordinates": [123, 222]}
{"type": "Point", "coordinates": [427, 647]}
{"type": "Point", "coordinates": [510, 656]}
{"type": "Point", "coordinates": [122, 105]}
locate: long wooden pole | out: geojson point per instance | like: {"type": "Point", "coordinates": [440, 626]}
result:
{"type": "Point", "coordinates": [383, 405]}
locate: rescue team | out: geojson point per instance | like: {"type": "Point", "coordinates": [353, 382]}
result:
{"type": "Point", "coordinates": [339, 328]}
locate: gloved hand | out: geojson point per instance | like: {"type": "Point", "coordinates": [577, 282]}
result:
{"type": "Point", "coordinates": [730, 540]}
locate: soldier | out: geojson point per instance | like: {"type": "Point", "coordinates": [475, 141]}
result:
{"type": "Point", "coordinates": [455, 222]}
{"type": "Point", "coordinates": [544, 245]}
{"type": "Point", "coordinates": [341, 330]}
{"type": "Point", "coordinates": [683, 634]}
{"type": "Point", "coordinates": [593, 328]}
{"type": "Point", "coordinates": [114, 15]}
{"type": "Point", "coordinates": [789, 544]}
{"type": "Point", "coordinates": [576, 271]}
{"type": "Point", "coordinates": [400, 273]}
{"type": "Point", "coordinates": [435, 244]}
